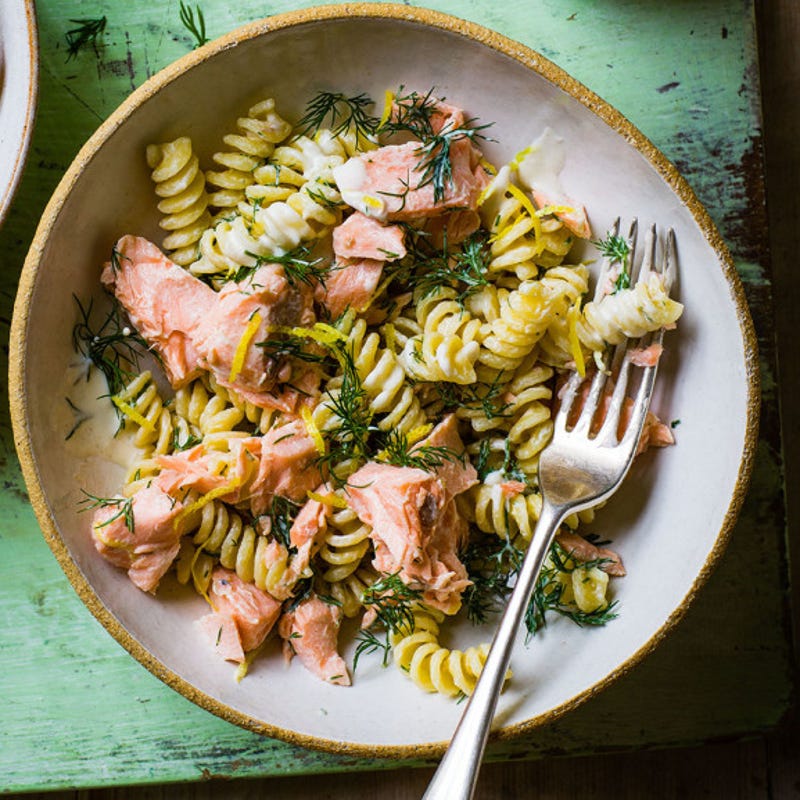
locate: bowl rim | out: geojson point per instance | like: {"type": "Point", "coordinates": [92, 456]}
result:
{"type": "Point", "coordinates": [555, 75]}
{"type": "Point", "coordinates": [28, 117]}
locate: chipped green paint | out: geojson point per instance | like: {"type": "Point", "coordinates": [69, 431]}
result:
{"type": "Point", "coordinates": [78, 711]}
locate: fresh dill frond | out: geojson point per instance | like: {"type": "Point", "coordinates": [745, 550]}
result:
{"type": "Point", "coordinates": [613, 247]}
{"type": "Point", "coordinates": [414, 114]}
{"type": "Point", "coordinates": [480, 396]}
{"type": "Point", "coordinates": [190, 441]}
{"type": "Point", "coordinates": [281, 347]}
{"type": "Point", "coordinates": [548, 596]}
{"type": "Point", "coordinates": [195, 25]}
{"type": "Point", "coordinates": [113, 347]}
{"type": "Point", "coordinates": [346, 440]}
{"type": "Point", "coordinates": [393, 603]}
{"type": "Point", "coordinates": [124, 508]}
{"type": "Point", "coordinates": [282, 514]}
{"type": "Point", "coordinates": [83, 35]}
{"type": "Point", "coordinates": [395, 449]}
{"type": "Point", "coordinates": [342, 112]}
{"type": "Point", "coordinates": [491, 564]}
{"type": "Point", "coordinates": [464, 269]}
{"type": "Point", "coordinates": [617, 250]}
{"type": "Point", "coordinates": [298, 266]}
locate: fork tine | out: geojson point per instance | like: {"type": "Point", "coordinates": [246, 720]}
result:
{"type": "Point", "coordinates": [642, 401]}
{"type": "Point", "coordinates": [567, 400]}
{"type": "Point", "coordinates": [669, 269]}
{"type": "Point", "coordinates": [648, 259]}
{"type": "Point", "coordinates": [584, 423]}
{"type": "Point", "coordinates": [608, 430]}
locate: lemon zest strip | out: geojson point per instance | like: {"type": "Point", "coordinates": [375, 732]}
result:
{"type": "Point", "coordinates": [244, 343]}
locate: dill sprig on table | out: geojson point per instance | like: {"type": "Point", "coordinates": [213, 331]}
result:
{"type": "Point", "coordinates": [195, 25]}
{"type": "Point", "coordinates": [83, 35]}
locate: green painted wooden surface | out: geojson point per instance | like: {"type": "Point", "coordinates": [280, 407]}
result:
{"type": "Point", "coordinates": [76, 710]}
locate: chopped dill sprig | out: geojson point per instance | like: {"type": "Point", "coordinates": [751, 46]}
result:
{"type": "Point", "coordinates": [298, 266]}
{"type": "Point", "coordinates": [113, 347]}
{"type": "Point", "coordinates": [84, 35]}
{"type": "Point", "coordinates": [123, 504]}
{"type": "Point", "coordinates": [393, 603]}
{"type": "Point", "coordinates": [414, 114]}
{"type": "Point", "coordinates": [491, 564]}
{"type": "Point", "coordinates": [195, 26]}
{"type": "Point", "coordinates": [465, 269]}
{"type": "Point", "coordinates": [346, 440]}
{"type": "Point", "coordinates": [282, 513]}
{"type": "Point", "coordinates": [190, 441]}
{"type": "Point", "coordinates": [344, 113]}
{"type": "Point", "coordinates": [480, 396]}
{"type": "Point", "coordinates": [617, 250]}
{"type": "Point", "coordinates": [548, 596]}
{"type": "Point", "coordinates": [399, 452]}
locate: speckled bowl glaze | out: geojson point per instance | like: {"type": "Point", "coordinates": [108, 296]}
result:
{"type": "Point", "coordinates": [19, 83]}
{"type": "Point", "coordinates": [678, 506]}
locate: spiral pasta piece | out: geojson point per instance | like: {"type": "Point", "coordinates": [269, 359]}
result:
{"type": "Point", "coordinates": [146, 414]}
{"type": "Point", "coordinates": [179, 181]}
{"type": "Point", "coordinates": [449, 344]}
{"type": "Point", "coordinates": [344, 545]}
{"type": "Point", "coordinates": [255, 141]}
{"type": "Point", "coordinates": [523, 239]}
{"type": "Point", "coordinates": [210, 414]}
{"type": "Point", "coordinates": [628, 313]}
{"type": "Point", "coordinates": [349, 592]}
{"type": "Point", "coordinates": [432, 667]}
{"type": "Point", "coordinates": [525, 315]}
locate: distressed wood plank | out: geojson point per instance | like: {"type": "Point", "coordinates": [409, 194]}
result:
{"type": "Point", "coordinates": [58, 712]}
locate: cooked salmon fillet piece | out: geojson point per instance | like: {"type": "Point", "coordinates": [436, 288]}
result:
{"type": "Point", "coordinates": [456, 473]}
{"type": "Point", "coordinates": [360, 236]}
{"type": "Point", "coordinates": [288, 466]}
{"type": "Point", "coordinates": [390, 183]}
{"type": "Point", "coordinates": [311, 632]}
{"type": "Point", "coordinates": [243, 614]}
{"type": "Point", "coordinates": [416, 528]}
{"type": "Point", "coordinates": [147, 548]}
{"type": "Point", "coordinates": [164, 302]}
{"type": "Point", "coordinates": [193, 328]}
{"type": "Point", "coordinates": [282, 462]}
{"type": "Point", "coordinates": [350, 284]}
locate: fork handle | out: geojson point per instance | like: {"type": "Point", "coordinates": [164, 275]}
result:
{"type": "Point", "coordinates": [457, 774]}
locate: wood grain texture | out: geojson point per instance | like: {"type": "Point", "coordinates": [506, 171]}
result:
{"type": "Point", "coordinates": [79, 712]}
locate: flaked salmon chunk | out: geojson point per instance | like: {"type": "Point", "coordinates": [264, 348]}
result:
{"type": "Point", "coordinates": [311, 632]}
{"type": "Point", "coordinates": [282, 462]}
{"type": "Point", "coordinates": [242, 615]}
{"type": "Point", "coordinates": [391, 183]}
{"type": "Point", "coordinates": [193, 328]}
{"type": "Point", "coordinates": [360, 236]}
{"type": "Point", "coordinates": [350, 284]}
{"type": "Point", "coordinates": [146, 548]}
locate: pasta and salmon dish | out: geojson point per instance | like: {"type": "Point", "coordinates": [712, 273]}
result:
{"type": "Point", "coordinates": [337, 371]}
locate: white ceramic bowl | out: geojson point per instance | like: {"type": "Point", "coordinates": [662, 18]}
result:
{"type": "Point", "coordinates": [678, 506]}
{"type": "Point", "coordinates": [19, 71]}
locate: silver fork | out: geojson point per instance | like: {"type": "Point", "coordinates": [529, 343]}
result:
{"type": "Point", "coordinates": [577, 470]}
